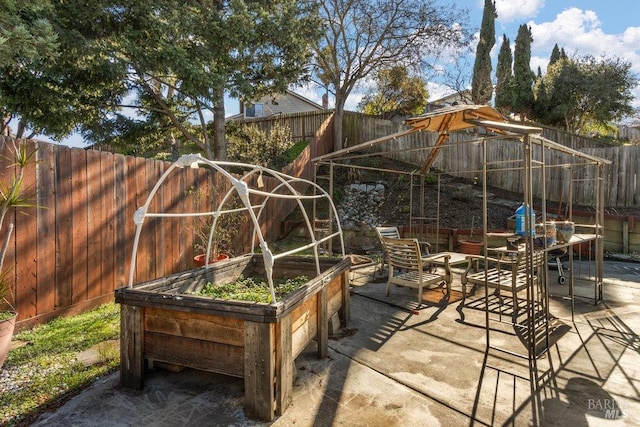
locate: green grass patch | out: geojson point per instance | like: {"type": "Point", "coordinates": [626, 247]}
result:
{"type": "Point", "coordinates": [294, 151]}
{"type": "Point", "coordinates": [44, 372]}
{"type": "Point", "coordinates": [252, 289]}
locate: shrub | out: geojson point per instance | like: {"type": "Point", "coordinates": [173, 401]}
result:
{"type": "Point", "coordinates": [250, 144]}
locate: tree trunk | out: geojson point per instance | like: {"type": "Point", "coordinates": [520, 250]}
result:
{"type": "Point", "coordinates": [220, 142]}
{"type": "Point", "coordinates": [337, 123]}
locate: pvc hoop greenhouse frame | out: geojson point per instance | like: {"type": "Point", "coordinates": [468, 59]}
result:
{"type": "Point", "coordinates": [243, 190]}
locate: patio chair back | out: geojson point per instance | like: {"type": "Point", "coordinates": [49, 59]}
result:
{"type": "Point", "coordinates": [407, 267]}
{"type": "Point", "coordinates": [387, 231]}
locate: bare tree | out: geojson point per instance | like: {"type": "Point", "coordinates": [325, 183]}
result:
{"type": "Point", "coordinates": [361, 36]}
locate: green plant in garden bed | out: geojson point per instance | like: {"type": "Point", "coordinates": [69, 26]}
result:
{"type": "Point", "coordinates": [252, 289]}
{"type": "Point", "coordinates": [45, 371]}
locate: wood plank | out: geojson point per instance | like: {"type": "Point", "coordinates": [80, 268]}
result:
{"type": "Point", "coordinates": [304, 334]}
{"type": "Point", "coordinates": [26, 253]}
{"type": "Point", "coordinates": [131, 207]}
{"type": "Point", "coordinates": [151, 224]}
{"type": "Point", "coordinates": [219, 329]}
{"type": "Point", "coordinates": [79, 215]}
{"type": "Point", "coordinates": [46, 229]}
{"type": "Point", "coordinates": [322, 318]}
{"type": "Point", "coordinates": [107, 222]}
{"type": "Point", "coordinates": [194, 353]}
{"type": "Point", "coordinates": [169, 228]}
{"type": "Point", "coordinates": [144, 255]}
{"type": "Point", "coordinates": [301, 314]}
{"type": "Point", "coordinates": [64, 221]}
{"type": "Point", "coordinates": [6, 175]}
{"type": "Point", "coordinates": [95, 224]}
{"type": "Point", "coordinates": [345, 310]}
{"type": "Point", "coordinates": [131, 347]}
{"type": "Point", "coordinates": [122, 244]}
{"type": "Point", "coordinates": [259, 370]}
{"type": "Point", "coordinates": [284, 365]}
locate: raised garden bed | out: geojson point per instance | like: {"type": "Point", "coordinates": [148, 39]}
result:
{"type": "Point", "coordinates": [161, 321]}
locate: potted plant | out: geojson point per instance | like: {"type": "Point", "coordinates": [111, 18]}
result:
{"type": "Point", "coordinates": [223, 234]}
{"type": "Point", "coordinates": [11, 197]}
{"type": "Point", "coordinates": [469, 246]}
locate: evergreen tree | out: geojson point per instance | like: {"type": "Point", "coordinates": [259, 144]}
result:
{"type": "Point", "coordinates": [522, 74]}
{"type": "Point", "coordinates": [555, 55]}
{"type": "Point", "coordinates": [481, 86]}
{"type": "Point", "coordinates": [504, 77]}
{"type": "Point", "coordinates": [541, 98]}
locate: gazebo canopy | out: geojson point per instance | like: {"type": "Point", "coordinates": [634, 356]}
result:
{"type": "Point", "coordinates": [454, 118]}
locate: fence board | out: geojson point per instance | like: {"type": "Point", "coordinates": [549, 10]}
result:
{"type": "Point", "coordinates": [122, 257]}
{"type": "Point", "coordinates": [46, 229]}
{"type": "Point", "coordinates": [107, 222]}
{"type": "Point", "coordinates": [95, 224]}
{"type": "Point", "coordinates": [64, 220]}
{"type": "Point", "coordinates": [79, 215]}
{"type": "Point", "coordinates": [138, 178]}
{"type": "Point", "coordinates": [26, 258]}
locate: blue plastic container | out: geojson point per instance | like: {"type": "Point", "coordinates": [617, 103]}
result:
{"type": "Point", "coordinates": [521, 213]}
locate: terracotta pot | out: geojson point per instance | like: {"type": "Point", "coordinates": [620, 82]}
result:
{"type": "Point", "coordinates": [199, 260]}
{"type": "Point", "coordinates": [6, 333]}
{"type": "Point", "coordinates": [471, 248]}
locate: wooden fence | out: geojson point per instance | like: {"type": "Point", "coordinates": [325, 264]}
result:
{"type": "Point", "coordinates": [459, 158]}
{"type": "Point", "coordinates": [72, 251]}
{"type": "Point", "coordinates": [622, 179]}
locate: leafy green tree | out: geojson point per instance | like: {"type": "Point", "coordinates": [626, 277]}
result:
{"type": "Point", "coordinates": [161, 68]}
{"type": "Point", "coordinates": [27, 38]}
{"type": "Point", "coordinates": [522, 75]}
{"type": "Point", "coordinates": [481, 86]}
{"type": "Point", "coordinates": [245, 48]}
{"type": "Point", "coordinates": [588, 92]}
{"type": "Point", "coordinates": [504, 78]}
{"type": "Point", "coordinates": [360, 37]}
{"type": "Point", "coordinates": [397, 94]}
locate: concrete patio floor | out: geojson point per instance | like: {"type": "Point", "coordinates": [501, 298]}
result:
{"type": "Point", "coordinates": [391, 366]}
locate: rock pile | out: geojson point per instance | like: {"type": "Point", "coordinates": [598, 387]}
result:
{"type": "Point", "coordinates": [359, 205]}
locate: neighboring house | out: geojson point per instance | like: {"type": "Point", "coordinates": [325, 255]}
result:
{"type": "Point", "coordinates": [285, 103]}
{"type": "Point", "coordinates": [456, 98]}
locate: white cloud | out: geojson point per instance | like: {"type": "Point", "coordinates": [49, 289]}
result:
{"type": "Point", "coordinates": [580, 32]}
{"type": "Point", "coordinates": [438, 91]}
{"type": "Point", "coordinates": [510, 10]}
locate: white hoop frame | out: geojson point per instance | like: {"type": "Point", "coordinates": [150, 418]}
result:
{"type": "Point", "coordinates": [243, 190]}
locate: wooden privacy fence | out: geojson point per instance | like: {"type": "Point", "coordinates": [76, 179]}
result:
{"type": "Point", "coordinates": [465, 160]}
{"type": "Point", "coordinates": [459, 158]}
{"type": "Point", "coordinates": [72, 251]}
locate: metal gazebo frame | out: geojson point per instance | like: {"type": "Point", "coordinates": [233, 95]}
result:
{"type": "Point", "coordinates": [535, 146]}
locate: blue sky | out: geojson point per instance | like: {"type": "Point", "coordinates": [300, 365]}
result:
{"type": "Point", "coordinates": [595, 27]}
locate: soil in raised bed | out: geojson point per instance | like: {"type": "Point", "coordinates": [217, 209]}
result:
{"type": "Point", "coordinates": [255, 289]}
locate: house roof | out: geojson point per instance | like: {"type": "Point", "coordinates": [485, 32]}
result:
{"type": "Point", "coordinates": [282, 103]}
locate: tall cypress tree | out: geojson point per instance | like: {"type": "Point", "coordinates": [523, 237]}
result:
{"type": "Point", "coordinates": [504, 77]}
{"type": "Point", "coordinates": [541, 98]}
{"type": "Point", "coordinates": [481, 86]}
{"type": "Point", "coordinates": [555, 55]}
{"type": "Point", "coordinates": [522, 75]}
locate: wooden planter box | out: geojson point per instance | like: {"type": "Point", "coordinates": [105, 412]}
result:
{"type": "Point", "coordinates": [255, 341]}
